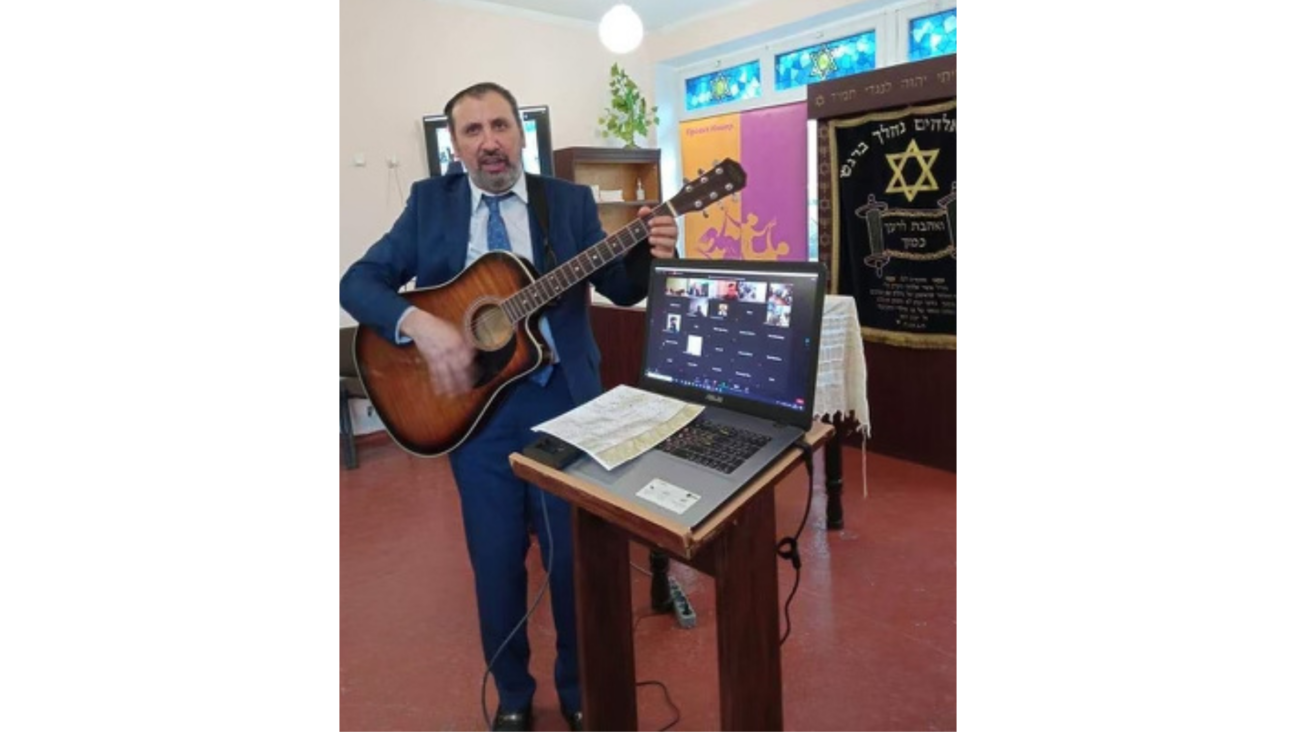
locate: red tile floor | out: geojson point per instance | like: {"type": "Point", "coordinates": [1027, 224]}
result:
{"type": "Point", "coordinates": [873, 622]}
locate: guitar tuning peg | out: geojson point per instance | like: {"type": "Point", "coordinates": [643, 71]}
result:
{"type": "Point", "coordinates": [705, 215]}
{"type": "Point", "coordinates": [701, 171]}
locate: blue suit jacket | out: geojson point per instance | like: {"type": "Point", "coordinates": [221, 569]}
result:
{"type": "Point", "coordinates": [430, 242]}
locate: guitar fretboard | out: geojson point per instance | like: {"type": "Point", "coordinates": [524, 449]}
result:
{"type": "Point", "coordinates": [575, 270]}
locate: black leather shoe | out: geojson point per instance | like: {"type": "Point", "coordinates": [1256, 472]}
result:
{"type": "Point", "coordinates": [575, 720]}
{"type": "Point", "coordinates": [519, 721]}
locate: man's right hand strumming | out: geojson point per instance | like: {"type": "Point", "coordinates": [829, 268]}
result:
{"type": "Point", "coordinates": [449, 358]}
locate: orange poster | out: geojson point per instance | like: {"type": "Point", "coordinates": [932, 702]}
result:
{"type": "Point", "coordinates": [767, 219]}
{"type": "Point", "coordinates": [704, 142]}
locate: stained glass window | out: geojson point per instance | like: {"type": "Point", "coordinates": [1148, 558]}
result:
{"type": "Point", "coordinates": [933, 35]}
{"type": "Point", "coordinates": [723, 86]}
{"type": "Point", "coordinates": [842, 57]}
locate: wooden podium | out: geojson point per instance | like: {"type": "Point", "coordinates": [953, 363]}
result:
{"type": "Point", "coordinates": [736, 546]}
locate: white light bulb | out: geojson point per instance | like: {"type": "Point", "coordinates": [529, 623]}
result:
{"type": "Point", "coordinates": [620, 30]}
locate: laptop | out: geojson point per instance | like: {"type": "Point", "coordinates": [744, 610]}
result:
{"type": "Point", "coordinates": [741, 339]}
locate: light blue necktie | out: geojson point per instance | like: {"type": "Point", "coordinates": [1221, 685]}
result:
{"type": "Point", "coordinates": [497, 239]}
{"type": "Point", "coordinates": [496, 235]}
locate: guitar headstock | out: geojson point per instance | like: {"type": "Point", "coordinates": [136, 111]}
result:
{"type": "Point", "coordinates": [722, 179]}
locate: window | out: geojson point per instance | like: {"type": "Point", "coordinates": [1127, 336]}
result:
{"type": "Point", "coordinates": [723, 86]}
{"type": "Point", "coordinates": [933, 35]}
{"type": "Point", "coordinates": [842, 57]}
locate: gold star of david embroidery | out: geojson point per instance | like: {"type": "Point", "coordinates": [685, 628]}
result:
{"type": "Point", "coordinates": [926, 181]}
{"type": "Point", "coordinates": [823, 63]}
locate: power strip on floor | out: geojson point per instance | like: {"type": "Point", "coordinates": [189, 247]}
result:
{"type": "Point", "coordinates": [684, 614]}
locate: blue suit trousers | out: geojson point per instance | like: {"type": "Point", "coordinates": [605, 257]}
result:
{"type": "Point", "coordinates": [498, 509]}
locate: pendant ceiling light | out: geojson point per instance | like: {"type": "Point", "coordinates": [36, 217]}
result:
{"type": "Point", "coordinates": [620, 30]}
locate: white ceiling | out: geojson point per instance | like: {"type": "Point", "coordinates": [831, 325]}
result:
{"type": "Point", "coordinates": [654, 13]}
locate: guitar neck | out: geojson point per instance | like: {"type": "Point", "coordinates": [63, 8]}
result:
{"type": "Point", "coordinates": [576, 270]}
{"type": "Point", "coordinates": [722, 179]}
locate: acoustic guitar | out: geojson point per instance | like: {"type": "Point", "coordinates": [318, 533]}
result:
{"type": "Point", "coordinates": [497, 302]}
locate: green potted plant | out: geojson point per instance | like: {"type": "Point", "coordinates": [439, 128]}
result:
{"type": "Point", "coordinates": [628, 114]}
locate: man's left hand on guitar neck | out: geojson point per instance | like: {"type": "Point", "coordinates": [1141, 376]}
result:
{"type": "Point", "coordinates": [662, 234]}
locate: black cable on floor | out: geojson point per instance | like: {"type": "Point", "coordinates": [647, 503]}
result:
{"type": "Point", "coordinates": [674, 721]}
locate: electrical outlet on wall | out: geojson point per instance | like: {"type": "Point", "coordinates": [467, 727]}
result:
{"type": "Point", "coordinates": [364, 419]}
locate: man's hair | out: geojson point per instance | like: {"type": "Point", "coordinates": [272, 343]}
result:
{"type": "Point", "coordinates": [477, 91]}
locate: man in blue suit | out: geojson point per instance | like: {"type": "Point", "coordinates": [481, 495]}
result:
{"type": "Point", "coordinates": [447, 223]}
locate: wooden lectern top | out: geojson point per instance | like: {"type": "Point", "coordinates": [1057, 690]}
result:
{"type": "Point", "coordinates": [648, 526]}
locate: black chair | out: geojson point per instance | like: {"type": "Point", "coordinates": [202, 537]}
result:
{"type": "Point", "coordinates": [351, 388]}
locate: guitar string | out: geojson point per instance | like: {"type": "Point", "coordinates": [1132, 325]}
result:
{"type": "Point", "coordinates": [552, 283]}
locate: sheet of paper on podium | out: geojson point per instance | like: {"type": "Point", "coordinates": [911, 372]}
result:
{"type": "Point", "coordinates": [622, 424]}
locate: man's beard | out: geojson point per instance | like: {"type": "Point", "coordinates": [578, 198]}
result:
{"type": "Point", "coordinates": [495, 182]}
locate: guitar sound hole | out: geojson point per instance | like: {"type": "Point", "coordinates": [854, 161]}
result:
{"type": "Point", "coordinates": [491, 328]}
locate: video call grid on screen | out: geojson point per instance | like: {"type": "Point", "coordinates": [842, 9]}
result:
{"type": "Point", "coordinates": [734, 332]}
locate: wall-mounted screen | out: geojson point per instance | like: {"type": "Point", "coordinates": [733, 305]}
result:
{"type": "Point", "coordinates": [537, 154]}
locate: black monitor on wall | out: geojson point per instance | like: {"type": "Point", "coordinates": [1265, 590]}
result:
{"type": "Point", "coordinates": [537, 154]}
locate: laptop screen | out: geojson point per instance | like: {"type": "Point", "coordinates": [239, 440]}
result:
{"type": "Point", "coordinates": [743, 335]}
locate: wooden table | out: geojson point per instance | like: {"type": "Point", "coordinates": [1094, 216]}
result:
{"type": "Point", "coordinates": [736, 546]}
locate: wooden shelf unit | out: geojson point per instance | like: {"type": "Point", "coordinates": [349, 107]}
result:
{"type": "Point", "coordinates": [612, 168]}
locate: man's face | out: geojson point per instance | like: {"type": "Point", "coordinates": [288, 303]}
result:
{"type": "Point", "coordinates": [488, 140]}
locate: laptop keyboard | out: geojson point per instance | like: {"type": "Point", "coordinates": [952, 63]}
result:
{"type": "Point", "coordinates": [714, 445]}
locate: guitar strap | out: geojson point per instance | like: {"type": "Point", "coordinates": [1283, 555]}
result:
{"type": "Point", "coordinates": [536, 200]}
